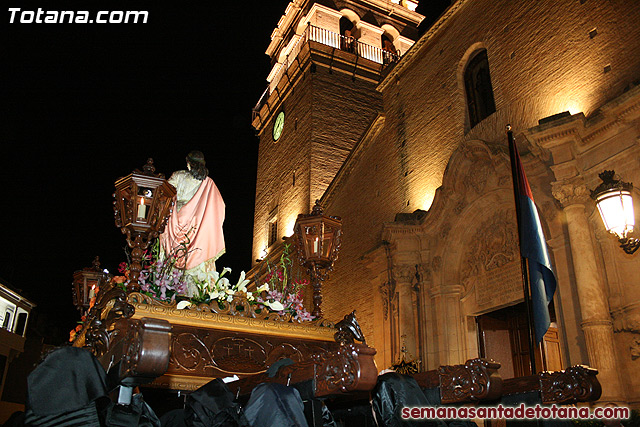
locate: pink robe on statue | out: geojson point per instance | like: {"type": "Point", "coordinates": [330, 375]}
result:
{"type": "Point", "coordinates": [199, 220]}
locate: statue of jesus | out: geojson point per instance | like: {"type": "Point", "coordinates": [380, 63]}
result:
{"type": "Point", "coordinates": [196, 219]}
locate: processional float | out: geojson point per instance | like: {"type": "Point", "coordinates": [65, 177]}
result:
{"type": "Point", "coordinates": [141, 340]}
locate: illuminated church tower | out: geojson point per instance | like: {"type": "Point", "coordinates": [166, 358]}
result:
{"type": "Point", "coordinates": [327, 60]}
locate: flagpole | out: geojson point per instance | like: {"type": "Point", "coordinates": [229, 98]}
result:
{"type": "Point", "coordinates": [523, 261]}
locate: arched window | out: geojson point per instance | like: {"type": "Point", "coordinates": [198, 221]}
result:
{"type": "Point", "coordinates": [347, 30]}
{"type": "Point", "coordinates": [389, 52]}
{"type": "Point", "coordinates": [477, 83]}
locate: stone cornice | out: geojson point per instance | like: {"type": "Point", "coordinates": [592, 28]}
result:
{"type": "Point", "coordinates": [392, 8]}
{"type": "Point", "coordinates": [560, 135]}
{"type": "Point", "coordinates": [622, 117]}
{"type": "Point", "coordinates": [394, 228]}
{"type": "Point", "coordinates": [552, 134]}
{"type": "Point", "coordinates": [586, 131]}
{"type": "Point", "coordinates": [593, 135]}
{"type": "Point", "coordinates": [285, 21]}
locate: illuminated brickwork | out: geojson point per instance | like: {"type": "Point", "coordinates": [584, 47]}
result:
{"type": "Point", "coordinates": [545, 57]}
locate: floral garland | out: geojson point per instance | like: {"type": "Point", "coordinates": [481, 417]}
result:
{"type": "Point", "coordinates": [159, 278]}
{"type": "Point", "coordinates": [280, 288]}
{"type": "Point", "coordinates": [279, 293]}
{"type": "Point", "coordinates": [162, 280]}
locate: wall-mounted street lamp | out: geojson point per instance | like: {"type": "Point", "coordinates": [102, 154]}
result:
{"type": "Point", "coordinates": [318, 241]}
{"type": "Point", "coordinates": [143, 202]}
{"type": "Point", "coordinates": [615, 204]}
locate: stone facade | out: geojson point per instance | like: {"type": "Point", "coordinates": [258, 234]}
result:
{"type": "Point", "coordinates": [329, 98]}
{"type": "Point", "coordinates": [325, 115]}
{"type": "Point", "coordinates": [427, 202]}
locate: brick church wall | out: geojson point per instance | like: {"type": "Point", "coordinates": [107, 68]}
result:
{"type": "Point", "coordinates": [325, 115]}
{"type": "Point", "coordinates": [275, 186]}
{"type": "Point", "coordinates": [342, 110]}
{"type": "Point", "coordinates": [543, 61]}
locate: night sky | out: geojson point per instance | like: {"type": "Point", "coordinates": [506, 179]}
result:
{"type": "Point", "coordinates": [85, 104]}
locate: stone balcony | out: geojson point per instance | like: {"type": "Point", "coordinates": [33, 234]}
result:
{"type": "Point", "coordinates": [325, 48]}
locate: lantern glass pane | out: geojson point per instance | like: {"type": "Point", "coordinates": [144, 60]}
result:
{"type": "Point", "coordinates": [310, 245]}
{"type": "Point", "coordinates": [85, 294]}
{"type": "Point", "coordinates": [316, 247]}
{"type": "Point", "coordinates": [616, 210]}
{"type": "Point", "coordinates": [327, 244]}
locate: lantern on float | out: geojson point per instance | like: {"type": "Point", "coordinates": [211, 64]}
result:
{"type": "Point", "coordinates": [142, 205]}
{"type": "Point", "coordinates": [86, 284]}
{"type": "Point", "coordinates": [318, 238]}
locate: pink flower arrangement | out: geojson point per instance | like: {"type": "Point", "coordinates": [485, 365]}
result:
{"type": "Point", "coordinates": [280, 292]}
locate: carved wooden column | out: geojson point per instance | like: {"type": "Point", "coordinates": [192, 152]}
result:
{"type": "Point", "coordinates": [596, 319]}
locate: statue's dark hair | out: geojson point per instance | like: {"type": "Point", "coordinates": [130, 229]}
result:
{"type": "Point", "coordinates": [196, 160]}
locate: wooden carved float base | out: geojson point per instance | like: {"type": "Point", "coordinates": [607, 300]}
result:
{"type": "Point", "coordinates": [575, 384]}
{"type": "Point", "coordinates": [139, 342]}
{"type": "Point", "coordinates": [206, 345]}
{"type": "Point", "coordinates": [476, 380]}
{"type": "Point", "coordinates": [350, 368]}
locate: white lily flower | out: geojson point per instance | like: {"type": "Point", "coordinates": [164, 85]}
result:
{"type": "Point", "coordinates": [242, 282]}
{"type": "Point", "coordinates": [225, 271]}
{"type": "Point", "coordinates": [274, 305]}
{"type": "Point", "coordinates": [264, 287]}
{"type": "Point", "coordinates": [202, 276]}
{"type": "Point", "coordinates": [214, 295]}
{"type": "Point", "coordinates": [230, 298]}
{"type": "Point", "coordinates": [214, 276]}
{"type": "Point", "coordinates": [250, 297]}
{"type": "Point", "coordinates": [224, 283]}
{"type": "Point", "coordinates": [183, 304]}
